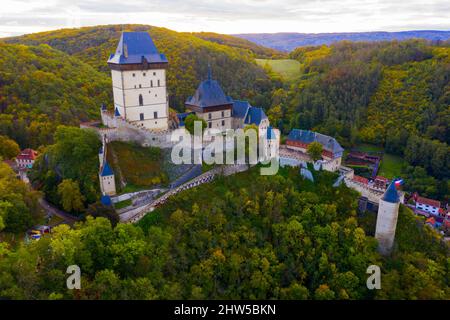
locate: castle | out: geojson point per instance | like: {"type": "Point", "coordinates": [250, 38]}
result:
{"type": "Point", "coordinates": [141, 107]}
{"type": "Point", "coordinates": [141, 114]}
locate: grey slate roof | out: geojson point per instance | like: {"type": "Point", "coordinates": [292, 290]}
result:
{"type": "Point", "coordinates": [306, 136]}
{"type": "Point", "coordinates": [255, 115]}
{"type": "Point", "coordinates": [134, 47]}
{"type": "Point", "coordinates": [208, 94]}
{"type": "Point", "coordinates": [240, 108]}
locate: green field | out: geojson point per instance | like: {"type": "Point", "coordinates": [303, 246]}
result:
{"type": "Point", "coordinates": [289, 69]}
{"type": "Point", "coordinates": [391, 165]}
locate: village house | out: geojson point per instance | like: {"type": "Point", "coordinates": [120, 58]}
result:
{"type": "Point", "coordinates": [26, 158]}
{"type": "Point", "coordinates": [428, 205]}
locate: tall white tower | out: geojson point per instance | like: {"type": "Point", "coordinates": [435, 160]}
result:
{"type": "Point", "coordinates": [387, 219]}
{"type": "Point", "coordinates": [138, 73]}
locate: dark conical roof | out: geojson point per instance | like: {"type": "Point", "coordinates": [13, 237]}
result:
{"type": "Point", "coordinates": [391, 194]}
{"type": "Point", "coordinates": [209, 93]}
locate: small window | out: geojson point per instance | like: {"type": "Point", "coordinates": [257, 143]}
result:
{"type": "Point", "coordinates": [156, 95]}
{"type": "Point", "coordinates": [209, 116]}
{"type": "Point", "coordinates": [209, 124]}
{"type": "Point", "coordinates": [155, 115]}
{"type": "Point", "coordinates": [154, 73]}
{"type": "Point", "coordinates": [159, 83]}
{"type": "Point", "coordinates": [134, 75]}
{"type": "Point", "coordinates": [151, 83]}
{"type": "Point", "coordinates": [135, 86]}
{"type": "Point", "coordinates": [140, 86]}
{"type": "Point", "coordinates": [141, 100]}
{"type": "Point", "coordinates": [144, 74]}
{"type": "Point", "coordinates": [223, 123]}
{"type": "Point", "coordinates": [223, 114]}
{"type": "Point", "coordinates": [141, 116]}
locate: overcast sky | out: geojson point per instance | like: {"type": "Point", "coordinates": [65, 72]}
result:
{"type": "Point", "coordinates": [228, 16]}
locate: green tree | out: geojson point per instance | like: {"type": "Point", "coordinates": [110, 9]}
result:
{"type": "Point", "coordinates": [71, 197]}
{"type": "Point", "coordinates": [315, 151]}
{"type": "Point", "coordinates": [8, 148]}
{"type": "Point", "coordinates": [189, 123]}
{"type": "Point", "coordinates": [97, 209]}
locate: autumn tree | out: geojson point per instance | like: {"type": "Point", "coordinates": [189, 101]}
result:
{"type": "Point", "coordinates": [8, 148]}
{"type": "Point", "coordinates": [315, 150]}
{"type": "Point", "coordinates": [71, 198]}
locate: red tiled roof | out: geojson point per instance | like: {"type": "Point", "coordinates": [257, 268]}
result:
{"type": "Point", "coordinates": [382, 179]}
{"type": "Point", "coordinates": [27, 154]}
{"type": "Point", "coordinates": [431, 220]}
{"type": "Point", "coordinates": [361, 179]}
{"type": "Point", "coordinates": [430, 202]}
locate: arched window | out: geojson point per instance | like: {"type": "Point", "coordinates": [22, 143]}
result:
{"type": "Point", "coordinates": [141, 100]}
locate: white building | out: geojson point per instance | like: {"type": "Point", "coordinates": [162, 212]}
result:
{"type": "Point", "coordinates": [428, 205]}
{"type": "Point", "coordinates": [138, 74]}
{"type": "Point", "coordinates": [26, 159]}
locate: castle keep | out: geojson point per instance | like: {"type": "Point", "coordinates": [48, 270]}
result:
{"type": "Point", "coordinates": [138, 74]}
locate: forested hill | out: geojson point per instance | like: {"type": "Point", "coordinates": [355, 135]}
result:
{"type": "Point", "coordinates": [288, 41]}
{"type": "Point", "coordinates": [391, 94]}
{"type": "Point", "coordinates": [41, 87]}
{"type": "Point", "coordinates": [188, 57]}
{"type": "Point", "coordinates": [258, 50]}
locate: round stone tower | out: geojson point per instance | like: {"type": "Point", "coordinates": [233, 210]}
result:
{"type": "Point", "coordinates": [387, 219]}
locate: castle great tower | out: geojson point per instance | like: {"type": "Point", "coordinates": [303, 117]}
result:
{"type": "Point", "coordinates": [387, 219]}
{"type": "Point", "coordinates": [138, 73]}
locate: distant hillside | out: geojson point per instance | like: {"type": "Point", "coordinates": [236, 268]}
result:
{"type": "Point", "coordinates": [188, 57]}
{"type": "Point", "coordinates": [41, 87]}
{"type": "Point", "coordinates": [257, 50]}
{"type": "Point", "coordinates": [289, 41]}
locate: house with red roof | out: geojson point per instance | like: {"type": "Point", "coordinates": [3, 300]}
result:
{"type": "Point", "coordinates": [26, 158]}
{"type": "Point", "coordinates": [428, 205]}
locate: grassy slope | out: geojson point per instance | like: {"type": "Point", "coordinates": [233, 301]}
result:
{"type": "Point", "coordinates": [141, 167]}
{"type": "Point", "coordinates": [289, 69]}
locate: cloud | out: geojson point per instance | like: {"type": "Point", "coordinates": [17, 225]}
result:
{"type": "Point", "coordinates": [228, 16]}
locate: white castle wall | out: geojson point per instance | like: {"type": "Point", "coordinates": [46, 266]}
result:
{"type": "Point", "coordinates": [128, 86]}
